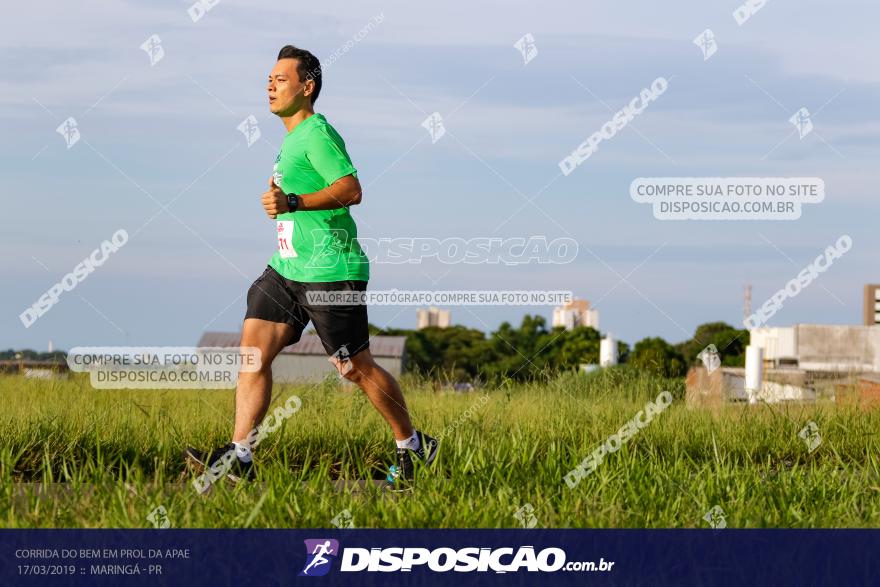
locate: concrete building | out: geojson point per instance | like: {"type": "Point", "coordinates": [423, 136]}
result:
{"type": "Point", "coordinates": [432, 317]}
{"type": "Point", "coordinates": [38, 369]}
{"type": "Point", "coordinates": [864, 393]}
{"type": "Point", "coordinates": [820, 347]}
{"type": "Point", "coordinates": [871, 305]}
{"type": "Point", "coordinates": [800, 363]}
{"type": "Point", "coordinates": [728, 384]}
{"type": "Point", "coordinates": [576, 313]}
{"type": "Point", "coordinates": [306, 361]}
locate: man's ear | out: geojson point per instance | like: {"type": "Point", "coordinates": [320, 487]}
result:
{"type": "Point", "coordinates": [308, 87]}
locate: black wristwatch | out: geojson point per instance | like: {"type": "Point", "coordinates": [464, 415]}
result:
{"type": "Point", "coordinates": [292, 202]}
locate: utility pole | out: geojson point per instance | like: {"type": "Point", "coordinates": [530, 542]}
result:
{"type": "Point", "coordinates": [747, 302]}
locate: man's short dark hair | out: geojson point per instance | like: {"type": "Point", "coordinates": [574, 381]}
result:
{"type": "Point", "coordinates": [308, 68]}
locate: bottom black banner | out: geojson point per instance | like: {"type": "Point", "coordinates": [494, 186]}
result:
{"type": "Point", "coordinates": [439, 557]}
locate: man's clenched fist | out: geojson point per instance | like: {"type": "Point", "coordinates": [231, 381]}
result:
{"type": "Point", "coordinates": [274, 201]}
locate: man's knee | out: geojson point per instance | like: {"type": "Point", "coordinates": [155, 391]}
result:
{"type": "Point", "coordinates": [260, 344]}
{"type": "Point", "coordinates": [256, 360]}
{"type": "Point", "coordinates": [350, 371]}
{"type": "Point", "coordinates": [264, 371]}
{"type": "Point", "coordinates": [356, 369]}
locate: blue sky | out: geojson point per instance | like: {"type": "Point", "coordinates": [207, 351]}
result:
{"type": "Point", "coordinates": [153, 135]}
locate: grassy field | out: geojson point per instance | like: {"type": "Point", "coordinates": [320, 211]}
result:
{"type": "Point", "coordinates": [72, 456]}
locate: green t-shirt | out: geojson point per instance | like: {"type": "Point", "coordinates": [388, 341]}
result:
{"type": "Point", "coordinates": [319, 245]}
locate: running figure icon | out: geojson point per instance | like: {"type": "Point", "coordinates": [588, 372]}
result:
{"type": "Point", "coordinates": [320, 550]}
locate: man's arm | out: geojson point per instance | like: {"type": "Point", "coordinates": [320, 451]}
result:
{"type": "Point", "coordinates": [345, 191]}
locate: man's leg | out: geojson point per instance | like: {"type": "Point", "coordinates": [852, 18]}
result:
{"type": "Point", "coordinates": [382, 390]}
{"type": "Point", "coordinates": [344, 332]}
{"type": "Point", "coordinates": [254, 392]}
{"type": "Point", "coordinates": [384, 393]}
{"type": "Point", "coordinates": [273, 320]}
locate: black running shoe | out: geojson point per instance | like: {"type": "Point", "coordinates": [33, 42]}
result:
{"type": "Point", "coordinates": [219, 463]}
{"type": "Point", "coordinates": [400, 476]}
{"type": "Point", "coordinates": [428, 448]}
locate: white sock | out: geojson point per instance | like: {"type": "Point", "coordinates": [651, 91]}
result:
{"type": "Point", "coordinates": [243, 452]}
{"type": "Point", "coordinates": [411, 443]}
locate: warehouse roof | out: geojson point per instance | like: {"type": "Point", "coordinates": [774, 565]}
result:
{"type": "Point", "coordinates": [309, 344]}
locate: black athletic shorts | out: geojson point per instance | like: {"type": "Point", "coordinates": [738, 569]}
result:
{"type": "Point", "coordinates": [275, 298]}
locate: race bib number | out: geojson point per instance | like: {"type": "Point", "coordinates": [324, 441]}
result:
{"type": "Point", "coordinates": [285, 239]}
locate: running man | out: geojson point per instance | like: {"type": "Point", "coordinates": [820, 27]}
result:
{"type": "Point", "coordinates": [311, 189]}
{"type": "Point", "coordinates": [319, 559]}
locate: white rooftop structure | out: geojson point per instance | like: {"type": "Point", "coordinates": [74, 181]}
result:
{"type": "Point", "coordinates": [821, 347]}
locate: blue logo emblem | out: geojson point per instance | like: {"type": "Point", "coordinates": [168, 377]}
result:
{"type": "Point", "coordinates": [320, 553]}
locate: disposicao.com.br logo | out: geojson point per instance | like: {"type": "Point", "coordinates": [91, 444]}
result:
{"type": "Point", "coordinates": [442, 560]}
{"type": "Point", "coordinates": [318, 553]}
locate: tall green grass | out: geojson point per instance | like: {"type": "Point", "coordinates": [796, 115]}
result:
{"type": "Point", "coordinates": [72, 456]}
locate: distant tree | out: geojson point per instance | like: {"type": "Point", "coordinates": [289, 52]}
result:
{"type": "Point", "coordinates": [622, 352]}
{"type": "Point", "coordinates": [456, 352]}
{"type": "Point", "coordinates": [576, 346]}
{"type": "Point", "coordinates": [532, 351]}
{"type": "Point", "coordinates": [658, 356]}
{"type": "Point", "coordinates": [528, 351]}
{"type": "Point", "coordinates": [519, 351]}
{"type": "Point", "coordinates": [730, 343]}
{"type": "Point", "coordinates": [32, 355]}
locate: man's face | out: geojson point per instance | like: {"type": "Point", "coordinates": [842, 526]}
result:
{"type": "Point", "coordinates": [287, 94]}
